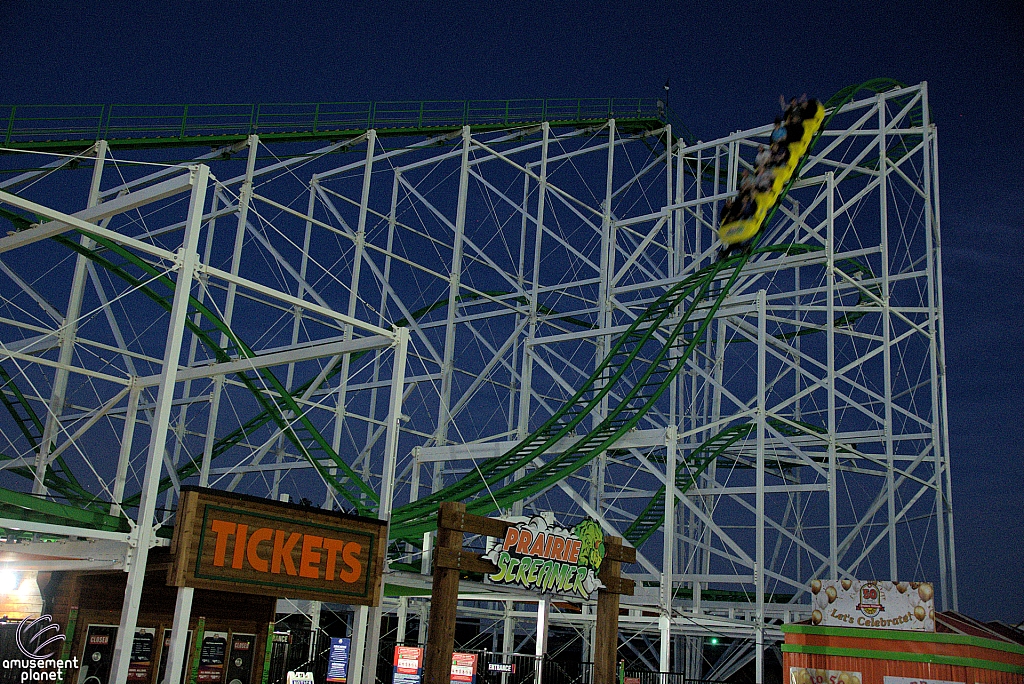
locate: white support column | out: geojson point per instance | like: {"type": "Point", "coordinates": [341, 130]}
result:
{"type": "Point", "coordinates": [671, 441]}
{"type": "Point", "coordinates": [890, 457]}
{"type": "Point", "coordinates": [508, 640]}
{"type": "Point", "coordinates": [179, 634]}
{"type": "Point", "coordinates": [940, 436]}
{"type": "Point", "coordinates": [830, 344]}
{"type": "Point", "coordinates": [314, 627]}
{"type": "Point", "coordinates": [759, 557]}
{"type": "Point", "coordinates": [447, 367]}
{"type": "Point", "coordinates": [541, 644]}
{"type": "Point", "coordinates": [67, 334]}
{"type": "Point", "coordinates": [126, 451]}
{"type": "Point", "coordinates": [211, 422]}
{"type": "Point", "coordinates": [387, 489]}
{"type": "Point", "coordinates": [355, 675]}
{"type": "Point", "coordinates": [403, 619]}
{"type": "Point", "coordinates": [604, 310]}
{"type": "Point", "coordinates": [668, 552]}
{"type": "Point", "coordinates": [353, 299]}
{"type": "Point", "coordinates": [421, 624]}
{"type": "Point", "coordinates": [187, 260]}
{"type": "Point", "coordinates": [526, 375]}
{"type": "Point", "coordinates": [244, 198]}
{"type": "Point", "coordinates": [942, 387]}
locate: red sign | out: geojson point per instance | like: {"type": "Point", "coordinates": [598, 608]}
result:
{"type": "Point", "coordinates": [464, 667]}
{"type": "Point", "coordinates": [408, 660]}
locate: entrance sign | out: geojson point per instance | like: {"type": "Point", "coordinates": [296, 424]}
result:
{"type": "Point", "coordinates": [908, 606]}
{"type": "Point", "coordinates": [408, 665]}
{"type": "Point", "coordinates": [450, 560]}
{"type": "Point", "coordinates": [542, 556]}
{"type": "Point", "coordinates": [233, 542]}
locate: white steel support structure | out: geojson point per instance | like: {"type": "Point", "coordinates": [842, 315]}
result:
{"type": "Point", "coordinates": [169, 295]}
{"type": "Point", "coordinates": [485, 275]}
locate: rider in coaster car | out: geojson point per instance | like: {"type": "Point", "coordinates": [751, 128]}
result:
{"type": "Point", "coordinates": [779, 155]}
{"type": "Point", "coordinates": [764, 179]}
{"type": "Point", "coordinates": [763, 154]}
{"type": "Point", "coordinates": [779, 132]}
{"type": "Point", "coordinates": [748, 207]}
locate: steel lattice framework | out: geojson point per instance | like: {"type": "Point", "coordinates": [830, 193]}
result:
{"type": "Point", "coordinates": [528, 318]}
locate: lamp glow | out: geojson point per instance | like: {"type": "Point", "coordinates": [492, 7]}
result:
{"type": "Point", "coordinates": [8, 581]}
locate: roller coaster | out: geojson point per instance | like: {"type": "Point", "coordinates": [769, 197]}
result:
{"type": "Point", "coordinates": [576, 349]}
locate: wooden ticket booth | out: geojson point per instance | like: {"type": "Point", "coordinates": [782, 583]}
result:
{"type": "Point", "coordinates": [233, 630]}
{"type": "Point", "coordinates": [234, 555]}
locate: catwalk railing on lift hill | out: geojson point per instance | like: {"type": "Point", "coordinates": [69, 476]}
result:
{"type": "Point", "coordinates": [168, 125]}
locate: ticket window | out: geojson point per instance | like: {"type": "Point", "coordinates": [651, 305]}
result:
{"type": "Point", "coordinates": [97, 654]}
{"type": "Point", "coordinates": [242, 648]}
{"type": "Point", "coordinates": [165, 654]}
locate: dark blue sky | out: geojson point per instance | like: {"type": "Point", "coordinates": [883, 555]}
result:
{"type": "Point", "coordinates": [728, 62]}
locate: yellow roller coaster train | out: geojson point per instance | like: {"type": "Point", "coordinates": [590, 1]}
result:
{"type": "Point", "coordinates": [743, 217]}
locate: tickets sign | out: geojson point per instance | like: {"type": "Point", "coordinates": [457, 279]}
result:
{"type": "Point", "coordinates": [540, 555]}
{"type": "Point", "coordinates": [244, 544]}
{"type": "Point", "coordinates": [905, 606]}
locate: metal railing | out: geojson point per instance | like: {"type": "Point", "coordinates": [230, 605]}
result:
{"type": "Point", "coordinates": [23, 125]}
{"type": "Point", "coordinates": [631, 676]}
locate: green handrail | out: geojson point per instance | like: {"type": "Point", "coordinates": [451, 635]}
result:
{"type": "Point", "coordinates": [173, 125]}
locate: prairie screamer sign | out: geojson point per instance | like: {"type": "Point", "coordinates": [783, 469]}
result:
{"type": "Point", "coordinates": [540, 555]}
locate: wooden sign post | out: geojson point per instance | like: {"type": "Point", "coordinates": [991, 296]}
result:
{"type": "Point", "coordinates": [450, 560]}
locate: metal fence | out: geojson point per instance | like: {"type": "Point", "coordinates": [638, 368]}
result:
{"type": "Point", "coordinates": [647, 677]}
{"type": "Point", "coordinates": [303, 651]}
{"type": "Point", "coordinates": [512, 668]}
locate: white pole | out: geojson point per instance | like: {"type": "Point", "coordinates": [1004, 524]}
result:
{"type": "Point", "coordinates": [67, 337]}
{"type": "Point", "coordinates": [387, 489]}
{"type": "Point", "coordinates": [543, 606]}
{"type": "Point", "coordinates": [762, 340]}
{"type": "Point", "coordinates": [143, 535]}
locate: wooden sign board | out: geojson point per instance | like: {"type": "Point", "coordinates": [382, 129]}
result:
{"type": "Point", "coordinates": [248, 545]}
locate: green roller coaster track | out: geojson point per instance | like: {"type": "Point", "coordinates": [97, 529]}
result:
{"type": "Point", "coordinates": [483, 489]}
{"type": "Point", "coordinates": [493, 486]}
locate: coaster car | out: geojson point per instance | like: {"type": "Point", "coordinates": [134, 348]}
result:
{"type": "Point", "coordinates": [739, 233]}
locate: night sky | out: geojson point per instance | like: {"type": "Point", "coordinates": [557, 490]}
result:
{"type": "Point", "coordinates": [727, 67]}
